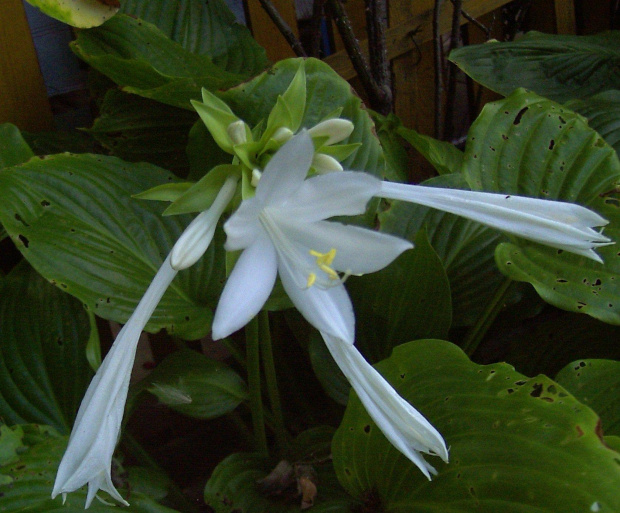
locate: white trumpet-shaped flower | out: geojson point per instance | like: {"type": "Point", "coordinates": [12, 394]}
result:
{"type": "Point", "coordinates": [557, 224]}
{"type": "Point", "coordinates": [96, 430]}
{"type": "Point", "coordinates": [401, 423]}
{"type": "Point", "coordinates": [283, 230]}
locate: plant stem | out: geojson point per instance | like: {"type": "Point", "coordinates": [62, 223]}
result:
{"type": "Point", "coordinates": [283, 27]}
{"type": "Point", "coordinates": [254, 383]}
{"type": "Point", "coordinates": [272, 382]}
{"type": "Point", "coordinates": [479, 330]}
{"type": "Point", "coordinates": [175, 494]}
{"type": "Point", "coordinates": [438, 63]}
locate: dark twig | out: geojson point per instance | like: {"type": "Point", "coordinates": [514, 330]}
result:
{"type": "Point", "coordinates": [376, 94]}
{"type": "Point", "coordinates": [476, 23]}
{"type": "Point", "coordinates": [452, 71]}
{"type": "Point", "coordinates": [318, 12]}
{"type": "Point", "coordinates": [376, 22]}
{"type": "Point", "coordinates": [283, 28]}
{"type": "Point", "coordinates": [438, 68]}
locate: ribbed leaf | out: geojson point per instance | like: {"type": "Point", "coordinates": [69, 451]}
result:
{"type": "Point", "coordinates": [136, 54]}
{"type": "Point", "coordinates": [73, 218]}
{"type": "Point", "coordinates": [597, 384]}
{"type": "Point", "coordinates": [78, 13]}
{"type": "Point", "coordinates": [141, 130]}
{"type": "Point", "coordinates": [603, 113]}
{"type": "Point", "coordinates": [531, 146]}
{"type": "Point", "coordinates": [204, 28]}
{"type": "Point", "coordinates": [13, 149]}
{"type": "Point", "coordinates": [26, 481]}
{"type": "Point", "coordinates": [560, 67]}
{"type": "Point", "coordinates": [517, 444]}
{"type": "Point", "coordinates": [43, 336]}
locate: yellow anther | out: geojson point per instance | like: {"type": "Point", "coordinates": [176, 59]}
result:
{"type": "Point", "coordinates": [311, 280]}
{"type": "Point", "coordinates": [323, 262]}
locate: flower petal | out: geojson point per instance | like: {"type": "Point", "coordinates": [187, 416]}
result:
{"type": "Point", "coordinates": [341, 194]}
{"type": "Point", "coordinates": [88, 456]}
{"type": "Point", "coordinates": [286, 170]}
{"type": "Point", "coordinates": [243, 226]}
{"type": "Point", "coordinates": [557, 224]}
{"type": "Point", "coordinates": [358, 250]}
{"type": "Point", "coordinates": [404, 426]}
{"type": "Point", "coordinates": [328, 310]}
{"type": "Point", "coordinates": [248, 287]}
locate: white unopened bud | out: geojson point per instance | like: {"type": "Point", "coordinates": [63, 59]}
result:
{"type": "Point", "coordinates": [256, 174]}
{"type": "Point", "coordinates": [282, 134]}
{"type": "Point", "coordinates": [324, 164]}
{"type": "Point", "coordinates": [335, 130]}
{"type": "Point", "coordinates": [237, 132]}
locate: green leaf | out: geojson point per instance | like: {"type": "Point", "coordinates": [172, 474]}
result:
{"type": "Point", "coordinates": [78, 13]}
{"type": "Point", "coordinates": [603, 113]}
{"type": "Point", "coordinates": [238, 483]}
{"type": "Point", "coordinates": [560, 67]}
{"type": "Point", "coordinates": [326, 92]}
{"type": "Point", "coordinates": [141, 130]}
{"type": "Point", "coordinates": [13, 149]}
{"type": "Point", "coordinates": [43, 367]}
{"type": "Point", "coordinates": [59, 141]}
{"type": "Point", "coordinates": [464, 247]}
{"type": "Point", "coordinates": [26, 484]}
{"type": "Point", "coordinates": [596, 383]}
{"type": "Point", "coordinates": [408, 300]}
{"type": "Point", "coordinates": [203, 152]}
{"type": "Point", "coordinates": [444, 156]}
{"type": "Point", "coordinates": [207, 28]}
{"type": "Point", "coordinates": [195, 385]}
{"type": "Point", "coordinates": [73, 217]}
{"type": "Point", "coordinates": [532, 146]}
{"type": "Point", "coordinates": [326, 370]}
{"type": "Point", "coordinates": [516, 444]}
{"type": "Point", "coordinates": [137, 55]}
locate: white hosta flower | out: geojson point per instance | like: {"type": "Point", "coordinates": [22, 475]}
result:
{"type": "Point", "coordinates": [401, 423]}
{"type": "Point", "coordinates": [96, 430]}
{"type": "Point", "coordinates": [282, 229]}
{"type": "Point", "coordinates": [557, 224]}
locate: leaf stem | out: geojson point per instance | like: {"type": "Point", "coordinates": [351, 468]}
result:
{"type": "Point", "coordinates": [254, 383]}
{"type": "Point", "coordinates": [479, 330]}
{"type": "Point", "coordinates": [272, 382]}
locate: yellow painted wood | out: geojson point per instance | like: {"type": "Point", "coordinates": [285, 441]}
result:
{"type": "Point", "coordinates": [23, 98]}
{"type": "Point", "coordinates": [266, 33]}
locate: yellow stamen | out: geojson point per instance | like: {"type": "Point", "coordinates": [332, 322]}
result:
{"type": "Point", "coordinates": [311, 280]}
{"type": "Point", "coordinates": [323, 261]}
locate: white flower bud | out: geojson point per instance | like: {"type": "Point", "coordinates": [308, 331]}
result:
{"type": "Point", "coordinates": [237, 132]}
{"type": "Point", "coordinates": [336, 130]}
{"type": "Point", "coordinates": [324, 164]}
{"type": "Point", "coordinates": [282, 134]}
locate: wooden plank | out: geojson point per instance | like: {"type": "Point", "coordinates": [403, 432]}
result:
{"type": "Point", "coordinates": [23, 98]}
{"type": "Point", "coordinates": [565, 16]}
{"type": "Point", "coordinates": [266, 33]}
{"type": "Point", "coordinates": [417, 25]}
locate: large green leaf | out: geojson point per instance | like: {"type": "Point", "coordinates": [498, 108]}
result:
{"type": "Point", "coordinates": [603, 113]}
{"type": "Point", "coordinates": [204, 28]}
{"type": "Point", "coordinates": [43, 336]}
{"type": "Point", "coordinates": [326, 93]}
{"type": "Point", "coordinates": [464, 247]}
{"type": "Point", "coordinates": [13, 149]}
{"type": "Point", "coordinates": [560, 67]}
{"type": "Point", "coordinates": [408, 300]}
{"type": "Point", "coordinates": [597, 384]}
{"type": "Point", "coordinates": [73, 218]}
{"type": "Point", "coordinates": [517, 444]}
{"type": "Point", "coordinates": [27, 479]}
{"type": "Point", "coordinates": [532, 146]}
{"type": "Point", "coordinates": [137, 55]}
{"type": "Point", "coordinates": [78, 13]}
{"type": "Point", "coordinates": [137, 129]}
{"type": "Point", "coordinates": [195, 385]}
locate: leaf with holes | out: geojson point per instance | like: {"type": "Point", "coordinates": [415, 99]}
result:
{"type": "Point", "coordinates": [73, 217]}
{"type": "Point", "coordinates": [43, 367]}
{"type": "Point", "coordinates": [597, 384]}
{"type": "Point", "coordinates": [464, 247]}
{"type": "Point", "coordinates": [603, 113]}
{"type": "Point", "coordinates": [516, 443]}
{"type": "Point", "coordinates": [205, 28]}
{"type": "Point", "coordinates": [560, 67]}
{"type": "Point", "coordinates": [26, 480]}
{"type": "Point", "coordinates": [532, 146]}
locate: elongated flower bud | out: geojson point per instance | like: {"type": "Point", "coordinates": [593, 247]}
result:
{"type": "Point", "coordinates": [336, 130]}
{"type": "Point", "coordinates": [323, 164]}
